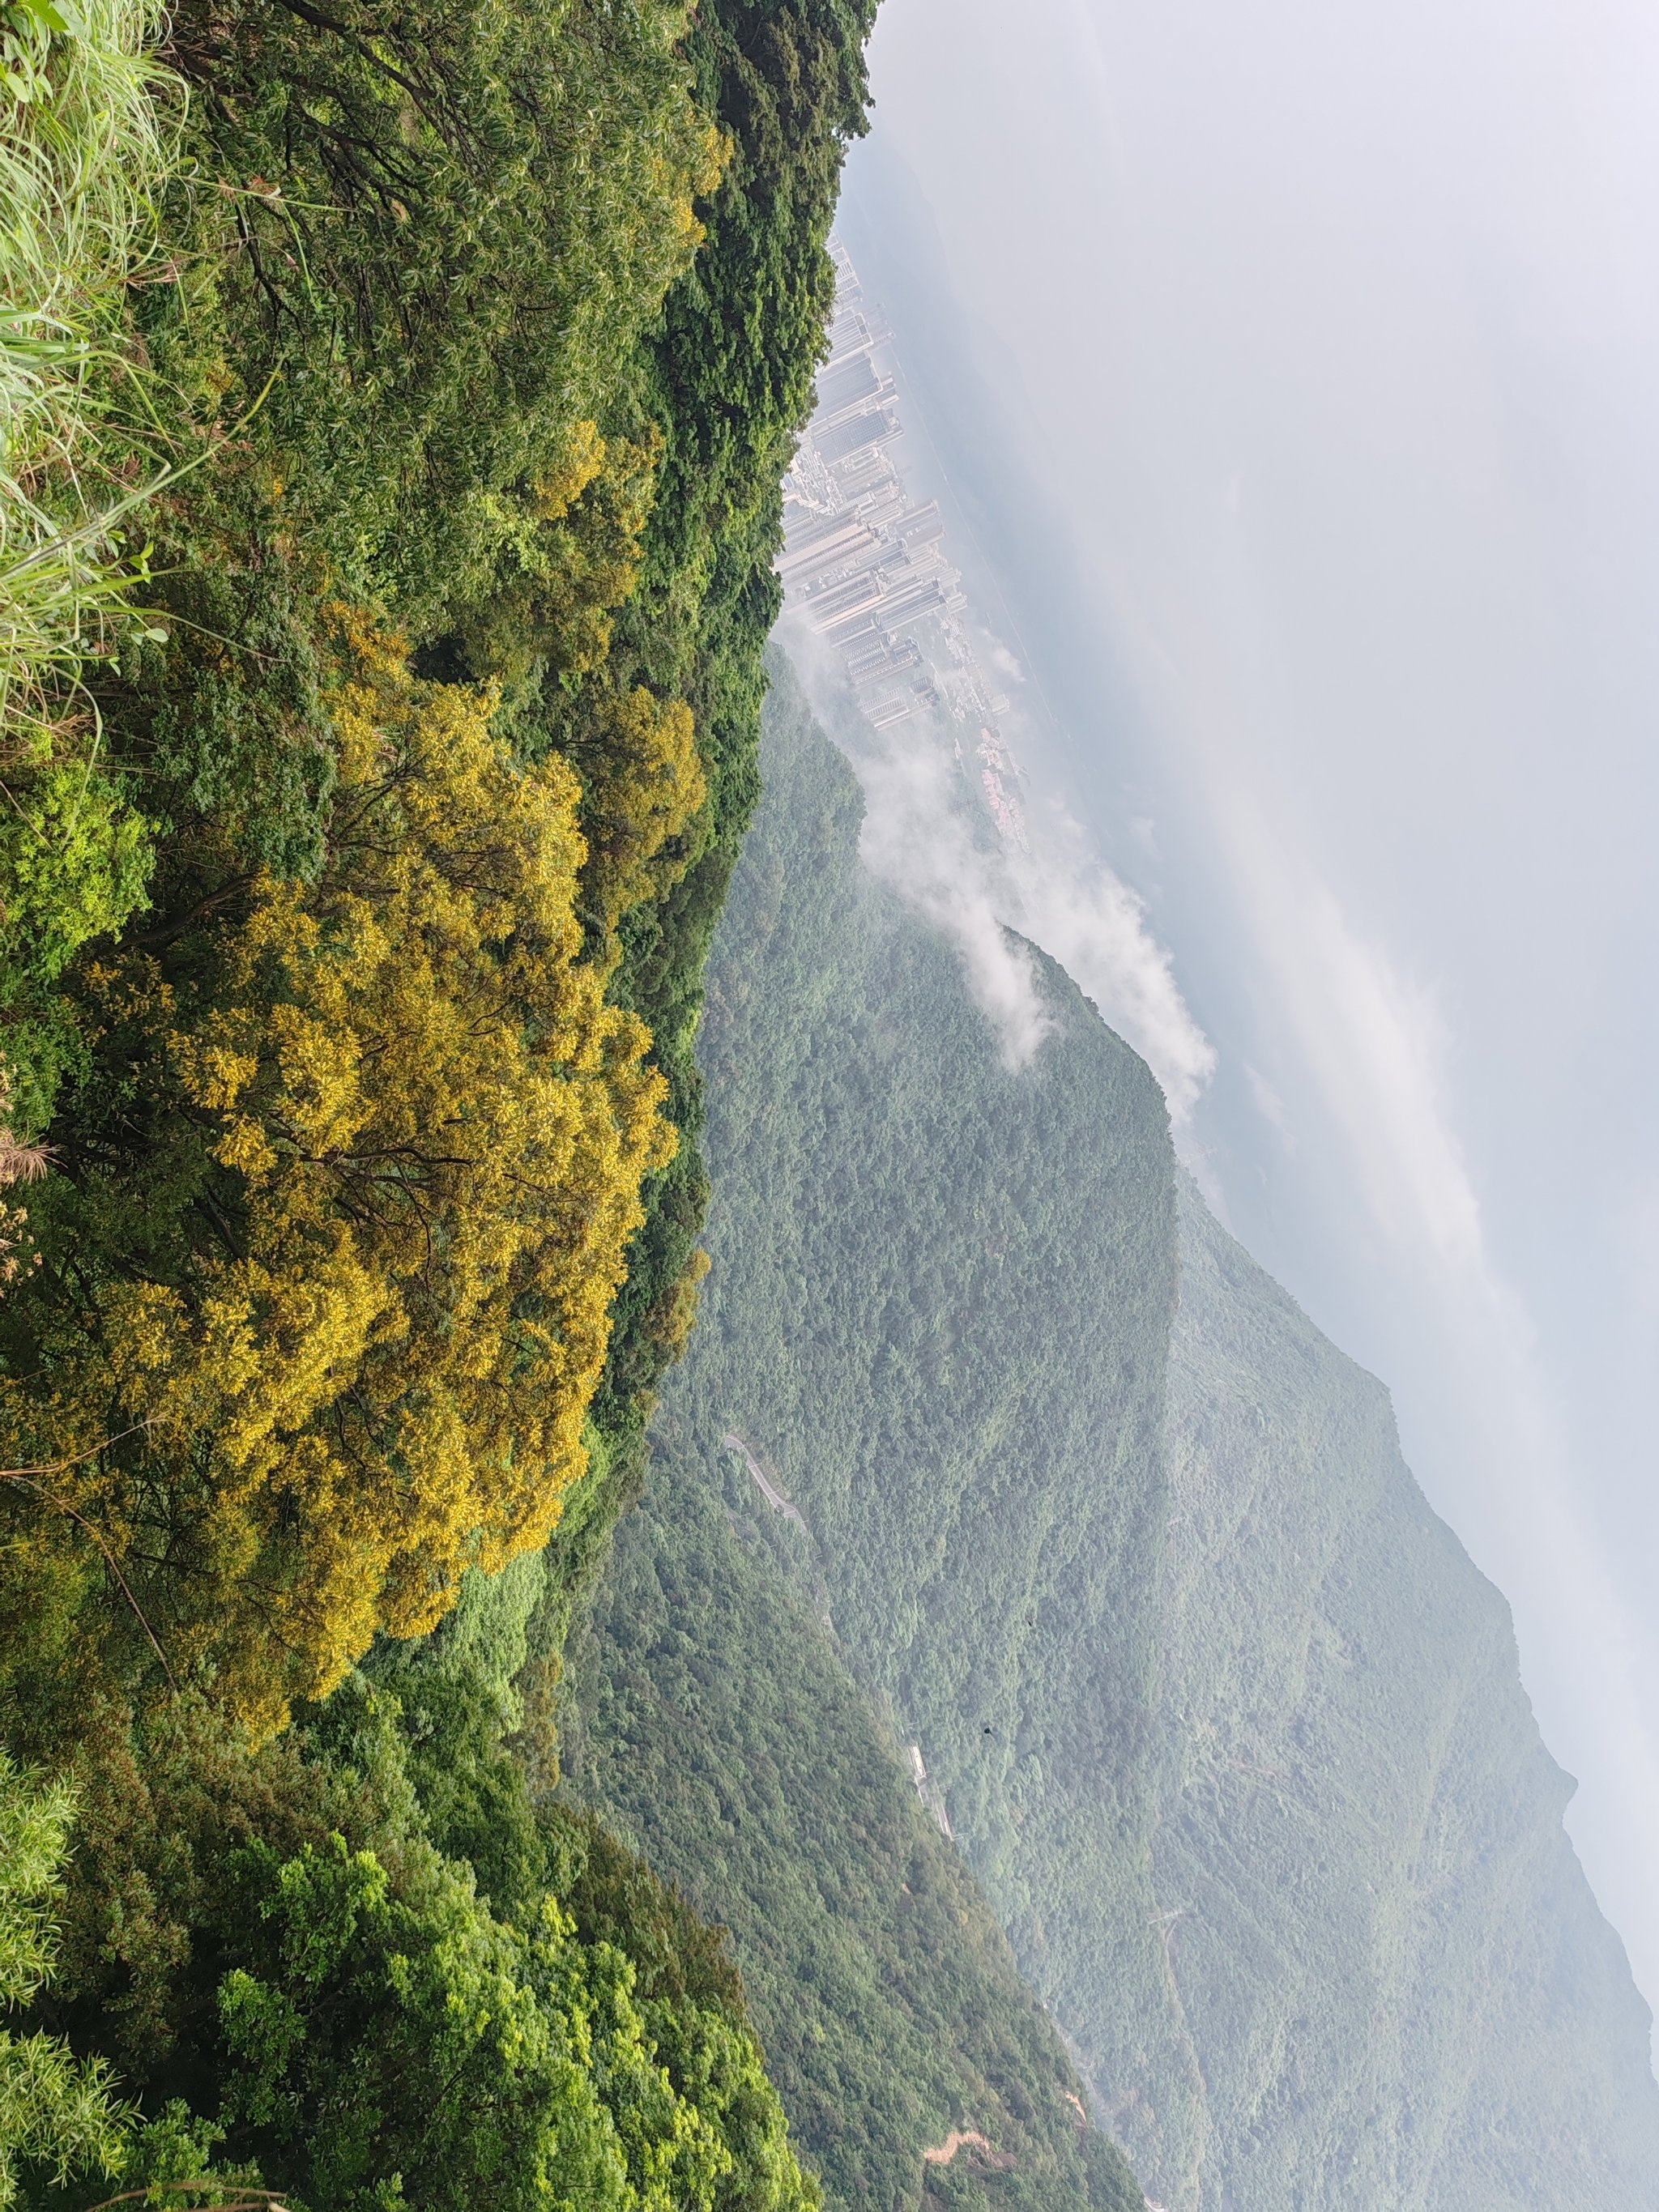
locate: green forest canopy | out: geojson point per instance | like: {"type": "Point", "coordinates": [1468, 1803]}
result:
{"type": "Point", "coordinates": [448, 675]}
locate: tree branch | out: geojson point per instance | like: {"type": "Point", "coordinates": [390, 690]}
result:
{"type": "Point", "coordinates": [27, 1476]}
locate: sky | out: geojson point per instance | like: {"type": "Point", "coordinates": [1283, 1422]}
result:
{"type": "Point", "coordinates": [1296, 369]}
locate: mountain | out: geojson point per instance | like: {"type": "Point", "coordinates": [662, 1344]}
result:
{"type": "Point", "coordinates": [1220, 1714]}
{"type": "Point", "coordinates": [718, 1722]}
{"type": "Point", "coordinates": [1388, 1963]}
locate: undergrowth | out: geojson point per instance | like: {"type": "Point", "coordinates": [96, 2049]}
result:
{"type": "Point", "coordinates": [88, 137]}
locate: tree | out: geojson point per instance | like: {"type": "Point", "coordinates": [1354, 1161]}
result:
{"type": "Point", "coordinates": [354, 1170]}
{"type": "Point", "coordinates": [645, 789]}
{"type": "Point", "coordinates": [286, 1934]}
{"type": "Point", "coordinates": [446, 224]}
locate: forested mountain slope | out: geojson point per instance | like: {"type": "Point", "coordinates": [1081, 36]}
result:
{"type": "Point", "coordinates": [716, 1726]}
{"type": "Point", "coordinates": [920, 1327]}
{"type": "Point", "coordinates": [1394, 1974]}
{"type": "Point", "coordinates": [1221, 1716]}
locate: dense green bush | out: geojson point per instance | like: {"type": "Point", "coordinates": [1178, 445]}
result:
{"type": "Point", "coordinates": [282, 1942]}
{"type": "Point", "coordinates": [87, 133]}
{"type": "Point", "coordinates": [58, 2114]}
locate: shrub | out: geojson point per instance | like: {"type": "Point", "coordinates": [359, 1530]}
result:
{"type": "Point", "coordinates": [56, 2111]}
{"type": "Point", "coordinates": [85, 145]}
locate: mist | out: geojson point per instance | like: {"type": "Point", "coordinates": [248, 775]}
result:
{"type": "Point", "coordinates": [1054, 887]}
{"type": "Point", "coordinates": [1324, 346]}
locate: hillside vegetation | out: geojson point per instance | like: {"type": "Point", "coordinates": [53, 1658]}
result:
{"type": "Point", "coordinates": [451, 674]}
{"type": "Point", "coordinates": [394, 401]}
{"type": "Point", "coordinates": [878, 1305]}
{"type": "Point", "coordinates": [1220, 1714]}
{"type": "Point", "coordinates": [1389, 1965]}
{"type": "Point", "coordinates": [712, 1720]}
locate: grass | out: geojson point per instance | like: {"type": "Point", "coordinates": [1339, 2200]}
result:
{"type": "Point", "coordinates": [87, 137]}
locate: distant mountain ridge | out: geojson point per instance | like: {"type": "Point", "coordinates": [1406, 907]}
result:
{"type": "Point", "coordinates": [1224, 1719]}
{"type": "Point", "coordinates": [1331, 1663]}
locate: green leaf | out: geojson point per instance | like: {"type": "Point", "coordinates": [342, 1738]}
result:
{"type": "Point", "coordinates": [50, 15]}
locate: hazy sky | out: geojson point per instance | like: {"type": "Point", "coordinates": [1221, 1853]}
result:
{"type": "Point", "coordinates": [1324, 343]}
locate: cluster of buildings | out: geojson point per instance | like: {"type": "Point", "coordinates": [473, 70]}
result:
{"type": "Point", "coordinates": [869, 568]}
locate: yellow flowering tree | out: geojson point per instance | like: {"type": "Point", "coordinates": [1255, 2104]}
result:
{"type": "Point", "coordinates": [645, 791]}
{"type": "Point", "coordinates": [565, 554]}
{"type": "Point", "coordinates": [352, 1295]}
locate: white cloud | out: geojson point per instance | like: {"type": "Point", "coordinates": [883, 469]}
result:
{"type": "Point", "coordinates": [1096, 926]}
{"type": "Point", "coordinates": [1271, 1106]}
{"type": "Point", "coordinates": [1059, 894]}
{"type": "Point", "coordinates": [1379, 1045]}
{"type": "Point", "coordinates": [915, 840]}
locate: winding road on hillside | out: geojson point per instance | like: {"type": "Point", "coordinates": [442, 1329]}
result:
{"type": "Point", "coordinates": [774, 1496]}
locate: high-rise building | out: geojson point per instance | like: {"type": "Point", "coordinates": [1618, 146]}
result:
{"type": "Point", "coordinates": [869, 570]}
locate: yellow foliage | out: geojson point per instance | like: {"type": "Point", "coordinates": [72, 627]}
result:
{"type": "Point", "coordinates": [565, 556]}
{"type": "Point", "coordinates": [678, 1316]}
{"type": "Point", "coordinates": [675, 190]}
{"type": "Point", "coordinates": [646, 788]}
{"type": "Point", "coordinates": [426, 1132]}
{"type": "Point", "coordinates": [563, 484]}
